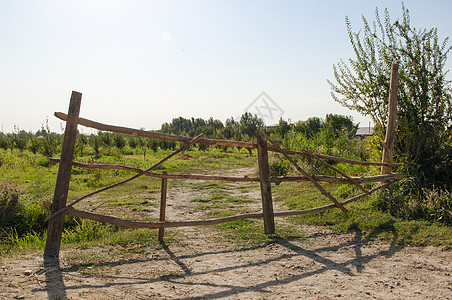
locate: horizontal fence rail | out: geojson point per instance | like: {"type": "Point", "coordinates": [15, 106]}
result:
{"type": "Point", "coordinates": [211, 142]}
{"type": "Point", "coordinates": [153, 225]}
{"type": "Point", "coordinates": [277, 180]}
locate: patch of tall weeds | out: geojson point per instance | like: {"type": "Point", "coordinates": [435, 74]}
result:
{"type": "Point", "coordinates": [326, 142]}
{"type": "Point", "coordinates": [408, 200]}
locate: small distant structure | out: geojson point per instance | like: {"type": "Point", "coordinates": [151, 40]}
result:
{"type": "Point", "coordinates": [364, 132]}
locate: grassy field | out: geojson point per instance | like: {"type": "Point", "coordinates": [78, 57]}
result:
{"type": "Point", "coordinates": [32, 179]}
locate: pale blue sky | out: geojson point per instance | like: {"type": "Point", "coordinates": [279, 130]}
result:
{"type": "Point", "coordinates": [142, 63]}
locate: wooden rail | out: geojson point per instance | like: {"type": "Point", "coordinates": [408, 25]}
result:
{"type": "Point", "coordinates": [211, 142]}
{"type": "Point", "coordinates": [277, 179]}
{"type": "Point", "coordinates": [140, 224]}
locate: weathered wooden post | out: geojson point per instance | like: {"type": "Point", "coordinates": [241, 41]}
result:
{"type": "Point", "coordinates": [391, 125]}
{"type": "Point", "coordinates": [55, 229]}
{"type": "Point", "coordinates": [163, 205]}
{"type": "Point", "coordinates": [266, 190]}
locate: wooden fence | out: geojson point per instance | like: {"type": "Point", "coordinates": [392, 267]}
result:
{"type": "Point", "coordinates": [59, 207]}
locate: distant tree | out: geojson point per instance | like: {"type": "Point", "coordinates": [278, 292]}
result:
{"type": "Point", "coordinates": [337, 123]}
{"type": "Point", "coordinates": [153, 145]}
{"type": "Point", "coordinates": [230, 128]}
{"type": "Point", "coordinates": [132, 142]}
{"type": "Point", "coordinates": [216, 124]}
{"type": "Point", "coordinates": [282, 128]}
{"type": "Point", "coordinates": [49, 141]}
{"type": "Point", "coordinates": [95, 142]}
{"type": "Point", "coordinates": [310, 127]}
{"type": "Point", "coordinates": [249, 124]}
{"type": "Point", "coordinates": [105, 138]}
{"type": "Point", "coordinates": [424, 94]}
{"type": "Point", "coordinates": [192, 127]}
{"type": "Point", "coordinates": [35, 145]}
{"type": "Point", "coordinates": [119, 140]}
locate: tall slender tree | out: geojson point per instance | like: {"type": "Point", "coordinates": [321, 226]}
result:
{"type": "Point", "coordinates": [424, 95]}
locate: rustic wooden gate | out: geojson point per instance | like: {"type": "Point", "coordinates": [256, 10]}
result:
{"type": "Point", "coordinates": [59, 207]}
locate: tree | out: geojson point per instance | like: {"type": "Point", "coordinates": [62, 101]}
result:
{"type": "Point", "coordinates": [282, 128]}
{"type": "Point", "coordinates": [424, 94]}
{"type": "Point", "coordinates": [249, 124]}
{"type": "Point", "coordinates": [81, 142]}
{"type": "Point", "coordinates": [310, 127]}
{"type": "Point", "coordinates": [337, 123]}
{"type": "Point", "coordinates": [119, 140]}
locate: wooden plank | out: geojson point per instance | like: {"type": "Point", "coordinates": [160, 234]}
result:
{"type": "Point", "coordinates": [392, 116]}
{"type": "Point", "coordinates": [277, 180]}
{"type": "Point", "coordinates": [154, 225]}
{"type": "Point", "coordinates": [55, 229]}
{"type": "Point", "coordinates": [314, 182]}
{"type": "Point", "coordinates": [179, 138]}
{"type": "Point", "coordinates": [163, 205]}
{"type": "Point", "coordinates": [266, 190]}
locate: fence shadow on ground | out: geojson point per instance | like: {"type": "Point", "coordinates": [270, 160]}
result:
{"type": "Point", "coordinates": [187, 277]}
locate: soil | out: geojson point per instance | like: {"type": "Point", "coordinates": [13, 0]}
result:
{"type": "Point", "coordinates": [319, 265]}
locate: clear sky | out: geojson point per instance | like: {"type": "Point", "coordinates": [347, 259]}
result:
{"type": "Point", "coordinates": [142, 63]}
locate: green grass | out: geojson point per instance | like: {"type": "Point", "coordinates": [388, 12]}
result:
{"type": "Point", "coordinates": [139, 200]}
{"type": "Point", "coordinates": [35, 180]}
{"type": "Point", "coordinates": [362, 216]}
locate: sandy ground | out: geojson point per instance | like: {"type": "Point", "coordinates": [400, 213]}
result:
{"type": "Point", "coordinates": [320, 265]}
{"type": "Point", "coordinates": [324, 265]}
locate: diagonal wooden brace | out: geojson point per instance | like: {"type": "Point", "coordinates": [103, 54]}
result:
{"type": "Point", "coordinates": [185, 146]}
{"type": "Point", "coordinates": [314, 182]}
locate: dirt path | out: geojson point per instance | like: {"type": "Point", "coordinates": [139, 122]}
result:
{"type": "Point", "coordinates": [324, 265]}
{"type": "Point", "coordinates": [320, 265]}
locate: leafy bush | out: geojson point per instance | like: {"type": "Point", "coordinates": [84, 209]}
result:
{"type": "Point", "coordinates": [43, 162]}
{"type": "Point", "coordinates": [279, 167]}
{"type": "Point", "coordinates": [19, 218]}
{"type": "Point", "coordinates": [407, 200]}
{"type": "Point", "coordinates": [328, 142]}
{"type": "Point", "coordinates": [6, 158]}
{"type": "Point", "coordinates": [9, 199]}
{"type": "Point", "coordinates": [439, 205]}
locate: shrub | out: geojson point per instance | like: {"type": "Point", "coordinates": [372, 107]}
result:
{"type": "Point", "coordinates": [22, 218]}
{"type": "Point", "coordinates": [405, 199]}
{"type": "Point", "coordinates": [279, 167]}
{"type": "Point", "coordinates": [9, 199]}
{"type": "Point", "coordinates": [43, 162]}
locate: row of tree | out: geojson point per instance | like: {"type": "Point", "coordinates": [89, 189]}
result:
{"type": "Point", "coordinates": [244, 129]}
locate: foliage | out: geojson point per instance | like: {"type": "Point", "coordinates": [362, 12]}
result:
{"type": "Point", "coordinates": [424, 94]}
{"type": "Point", "coordinates": [192, 127]}
{"type": "Point", "coordinates": [249, 124]}
{"type": "Point", "coordinates": [310, 127]}
{"type": "Point", "coordinates": [326, 142]}
{"type": "Point", "coordinates": [363, 217]}
{"type": "Point", "coordinates": [337, 123]}
{"type": "Point", "coordinates": [19, 218]}
{"type": "Point", "coordinates": [9, 200]}
{"type": "Point", "coordinates": [279, 167]}
{"type": "Point", "coordinates": [406, 200]}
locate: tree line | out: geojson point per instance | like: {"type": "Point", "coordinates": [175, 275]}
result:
{"type": "Point", "coordinates": [49, 143]}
